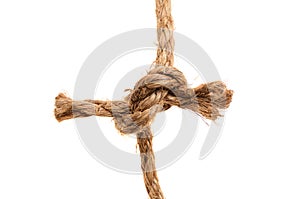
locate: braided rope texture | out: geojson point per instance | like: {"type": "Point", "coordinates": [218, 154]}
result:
{"type": "Point", "coordinates": [163, 87]}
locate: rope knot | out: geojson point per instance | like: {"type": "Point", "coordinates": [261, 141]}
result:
{"type": "Point", "coordinates": [160, 89]}
{"type": "Point", "coordinates": [148, 98]}
{"type": "Point", "coordinates": [163, 87]}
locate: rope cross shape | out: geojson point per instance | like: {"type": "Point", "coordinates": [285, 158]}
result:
{"type": "Point", "coordinates": [163, 87]}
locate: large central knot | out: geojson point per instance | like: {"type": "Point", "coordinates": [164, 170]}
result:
{"type": "Point", "coordinates": [160, 89]}
{"type": "Point", "coordinates": [155, 92]}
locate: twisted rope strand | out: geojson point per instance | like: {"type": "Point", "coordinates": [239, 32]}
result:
{"type": "Point", "coordinates": [165, 28]}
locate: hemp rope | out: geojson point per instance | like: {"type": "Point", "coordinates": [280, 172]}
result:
{"type": "Point", "coordinates": [164, 86]}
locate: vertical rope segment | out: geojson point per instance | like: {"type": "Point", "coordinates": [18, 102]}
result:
{"type": "Point", "coordinates": [165, 29]}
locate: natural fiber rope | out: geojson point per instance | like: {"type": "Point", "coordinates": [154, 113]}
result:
{"type": "Point", "coordinates": [165, 28]}
{"type": "Point", "coordinates": [164, 86]}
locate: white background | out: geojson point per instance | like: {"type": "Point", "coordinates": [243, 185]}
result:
{"type": "Point", "coordinates": [255, 45]}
